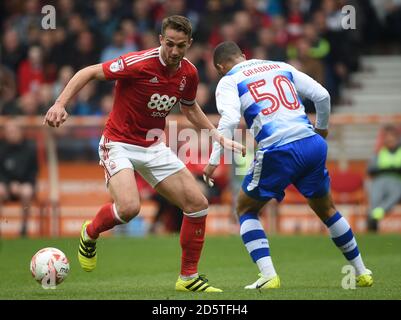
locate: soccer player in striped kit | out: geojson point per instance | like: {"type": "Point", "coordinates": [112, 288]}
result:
{"type": "Point", "coordinates": [148, 85]}
{"type": "Point", "coordinates": [290, 150]}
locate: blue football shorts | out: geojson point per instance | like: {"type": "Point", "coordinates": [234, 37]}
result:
{"type": "Point", "coordinates": [301, 163]}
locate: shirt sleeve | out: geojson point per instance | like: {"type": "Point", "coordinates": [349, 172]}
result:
{"type": "Point", "coordinates": [314, 91]}
{"type": "Point", "coordinates": [120, 68]}
{"type": "Point", "coordinates": [189, 95]}
{"type": "Point", "coordinates": [229, 107]}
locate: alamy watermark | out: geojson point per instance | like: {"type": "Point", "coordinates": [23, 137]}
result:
{"type": "Point", "coordinates": [348, 20]}
{"type": "Point", "coordinates": [49, 18]}
{"type": "Point", "coordinates": [349, 280]}
{"type": "Point", "coordinates": [194, 146]}
{"type": "Point", "coordinates": [49, 281]}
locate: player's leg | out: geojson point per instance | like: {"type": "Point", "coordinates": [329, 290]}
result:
{"type": "Point", "coordinates": [183, 190]}
{"type": "Point", "coordinates": [117, 162]}
{"type": "Point", "coordinates": [25, 193]}
{"type": "Point", "coordinates": [126, 203]}
{"type": "Point", "coordinates": [255, 241]}
{"type": "Point", "coordinates": [268, 177]}
{"type": "Point", "coordinates": [342, 236]}
{"type": "Point", "coordinates": [314, 184]}
{"type": "Point", "coordinates": [120, 180]}
{"type": "Point", "coordinates": [125, 206]}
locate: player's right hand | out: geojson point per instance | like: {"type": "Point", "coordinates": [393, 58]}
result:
{"type": "Point", "coordinates": [55, 116]}
{"type": "Point", "coordinates": [207, 174]}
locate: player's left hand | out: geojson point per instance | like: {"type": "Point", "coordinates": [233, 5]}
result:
{"type": "Point", "coordinates": [207, 174]}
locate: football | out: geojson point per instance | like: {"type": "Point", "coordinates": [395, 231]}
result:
{"type": "Point", "coordinates": [49, 267]}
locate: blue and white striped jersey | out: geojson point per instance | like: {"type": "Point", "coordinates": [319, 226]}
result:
{"type": "Point", "coordinates": [266, 94]}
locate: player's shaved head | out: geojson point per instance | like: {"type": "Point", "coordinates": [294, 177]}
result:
{"type": "Point", "coordinates": [226, 52]}
{"type": "Point", "coordinates": [178, 23]}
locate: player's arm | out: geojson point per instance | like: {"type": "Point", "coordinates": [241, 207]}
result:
{"type": "Point", "coordinates": [315, 92]}
{"type": "Point", "coordinates": [57, 113]}
{"type": "Point", "coordinates": [198, 118]}
{"type": "Point", "coordinates": [228, 106]}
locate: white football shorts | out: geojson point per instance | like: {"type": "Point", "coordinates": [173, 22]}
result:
{"type": "Point", "coordinates": [154, 163]}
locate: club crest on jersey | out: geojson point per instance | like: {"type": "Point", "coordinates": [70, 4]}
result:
{"type": "Point", "coordinates": [183, 83]}
{"type": "Point", "coordinates": [117, 66]}
{"type": "Point", "coordinates": [112, 165]}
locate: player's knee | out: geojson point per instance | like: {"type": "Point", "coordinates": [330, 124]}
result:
{"type": "Point", "coordinates": [196, 204]}
{"type": "Point", "coordinates": [242, 208]}
{"type": "Point", "coordinates": [128, 210]}
{"type": "Point", "coordinates": [324, 207]}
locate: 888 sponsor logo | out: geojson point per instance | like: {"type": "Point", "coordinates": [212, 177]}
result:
{"type": "Point", "coordinates": [162, 104]}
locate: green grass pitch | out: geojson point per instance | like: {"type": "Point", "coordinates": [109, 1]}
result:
{"type": "Point", "coordinates": [147, 268]}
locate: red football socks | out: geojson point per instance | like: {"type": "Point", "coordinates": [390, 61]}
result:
{"type": "Point", "coordinates": [104, 220]}
{"type": "Point", "coordinates": [192, 237]}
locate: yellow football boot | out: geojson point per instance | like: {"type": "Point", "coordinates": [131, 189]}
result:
{"type": "Point", "coordinates": [365, 280]}
{"type": "Point", "coordinates": [87, 251]}
{"type": "Point", "coordinates": [197, 284]}
{"type": "Point", "coordinates": [265, 283]}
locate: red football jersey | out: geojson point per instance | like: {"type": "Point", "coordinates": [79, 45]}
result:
{"type": "Point", "coordinates": [145, 93]}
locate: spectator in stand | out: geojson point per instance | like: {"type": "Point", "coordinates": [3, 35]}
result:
{"type": "Point", "coordinates": [273, 7]}
{"type": "Point", "coordinates": [8, 91]}
{"type": "Point", "coordinates": [295, 19]}
{"type": "Point", "coordinates": [12, 51]}
{"type": "Point", "coordinates": [320, 47]}
{"type": "Point", "coordinates": [245, 30]}
{"type": "Point", "coordinates": [389, 14]}
{"type": "Point", "coordinates": [18, 170]}
{"type": "Point", "coordinates": [385, 170]}
{"type": "Point", "coordinates": [131, 36]}
{"type": "Point", "coordinates": [85, 51]}
{"type": "Point", "coordinates": [141, 14]}
{"type": "Point", "coordinates": [86, 103]}
{"type": "Point", "coordinates": [64, 75]}
{"type": "Point", "coordinates": [266, 39]}
{"type": "Point", "coordinates": [28, 22]}
{"type": "Point", "coordinates": [211, 19]}
{"type": "Point", "coordinates": [65, 9]}
{"type": "Point", "coordinates": [31, 72]}
{"type": "Point", "coordinates": [117, 48]}
{"type": "Point", "coordinates": [29, 105]}
{"type": "Point", "coordinates": [260, 19]}
{"type": "Point", "coordinates": [313, 67]}
{"type": "Point", "coordinates": [393, 20]}
{"type": "Point", "coordinates": [149, 40]}
{"type": "Point", "coordinates": [45, 96]}
{"type": "Point", "coordinates": [47, 44]}
{"type": "Point", "coordinates": [203, 97]}
{"type": "Point", "coordinates": [104, 21]}
{"type": "Point", "coordinates": [280, 30]}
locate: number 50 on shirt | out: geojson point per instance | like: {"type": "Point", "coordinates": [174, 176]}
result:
{"type": "Point", "coordinates": [283, 87]}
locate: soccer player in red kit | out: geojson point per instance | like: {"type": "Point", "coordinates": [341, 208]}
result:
{"type": "Point", "coordinates": [149, 83]}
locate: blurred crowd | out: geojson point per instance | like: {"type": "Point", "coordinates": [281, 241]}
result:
{"type": "Point", "coordinates": [35, 64]}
